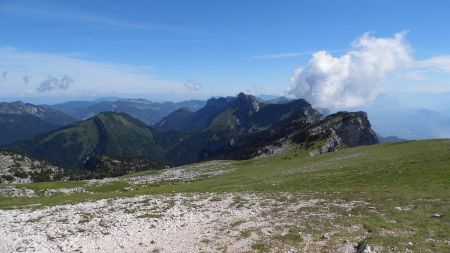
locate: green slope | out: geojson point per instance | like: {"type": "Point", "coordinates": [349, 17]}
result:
{"type": "Point", "coordinates": [422, 167]}
{"type": "Point", "coordinates": [17, 127]}
{"type": "Point", "coordinates": [112, 134]}
{"type": "Point", "coordinates": [409, 169]}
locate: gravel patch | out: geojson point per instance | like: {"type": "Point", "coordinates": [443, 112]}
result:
{"type": "Point", "coordinates": [185, 173]}
{"type": "Point", "coordinates": [67, 191]}
{"type": "Point", "coordinates": [177, 223]}
{"type": "Point", "coordinates": [10, 191]}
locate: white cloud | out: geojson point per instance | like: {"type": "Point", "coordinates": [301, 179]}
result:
{"type": "Point", "coordinates": [52, 83]}
{"type": "Point", "coordinates": [103, 77]}
{"type": "Point", "coordinates": [415, 75]}
{"type": "Point", "coordinates": [354, 78]}
{"type": "Point", "coordinates": [193, 86]}
{"type": "Point", "coordinates": [438, 63]}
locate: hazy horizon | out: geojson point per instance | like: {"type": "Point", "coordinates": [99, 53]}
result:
{"type": "Point", "coordinates": [53, 52]}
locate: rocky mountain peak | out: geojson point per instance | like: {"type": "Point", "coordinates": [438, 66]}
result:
{"type": "Point", "coordinates": [19, 120]}
{"type": "Point", "coordinates": [20, 107]}
{"type": "Point", "coordinates": [222, 102]}
{"type": "Point", "coordinates": [248, 102]}
{"type": "Point", "coordinates": [344, 128]}
{"type": "Point", "coordinates": [42, 112]}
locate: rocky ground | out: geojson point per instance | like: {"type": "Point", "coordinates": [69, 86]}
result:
{"type": "Point", "coordinates": [284, 222]}
{"type": "Point", "coordinates": [184, 173]}
{"type": "Point", "coordinates": [18, 168]}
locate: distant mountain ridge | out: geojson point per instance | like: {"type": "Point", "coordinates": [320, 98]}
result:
{"type": "Point", "coordinates": [189, 121]}
{"type": "Point", "coordinates": [411, 124]}
{"type": "Point", "coordinates": [392, 117]}
{"type": "Point", "coordinates": [44, 113]}
{"type": "Point", "coordinates": [142, 109]}
{"type": "Point", "coordinates": [238, 127]}
{"type": "Point", "coordinates": [243, 113]}
{"type": "Point", "coordinates": [108, 133]}
{"type": "Point", "coordinates": [20, 120]}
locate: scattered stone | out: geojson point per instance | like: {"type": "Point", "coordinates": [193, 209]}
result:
{"type": "Point", "coordinates": [185, 173]}
{"type": "Point", "coordinates": [325, 236]}
{"type": "Point", "coordinates": [17, 168]}
{"type": "Point", "coordinates": [102, 181]}
{"type": "Point", "coordinates": [363, 247]}
{"type": "Point", "coordinates": [397, 208]}
{"type": "Point", "coordinates": [11, 191]}
{"type": "Point", "coordinates": [437, 215]}
{"type": "Point", "coordinates": [67, 191]}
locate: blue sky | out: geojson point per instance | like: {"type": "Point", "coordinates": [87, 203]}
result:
{"type": "Point", "coordinates": [61, 50]}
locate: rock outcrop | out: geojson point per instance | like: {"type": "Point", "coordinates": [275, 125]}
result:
{"type": "Point", "coordinates": [348, 129]}
{"type": "Point", "coordinates": [20, 120]}
{"type": "Point", "coordinates": [18, 168]}
{"type": "Point", "coordinates": [44, 113]}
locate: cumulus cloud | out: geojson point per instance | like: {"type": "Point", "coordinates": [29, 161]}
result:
{"type": "Point", "coordinates": [106, 78]}
{"type": "Point", "coordinates": [193, 86]}
{"type": "Point", "coordinates": [65, 82]}
{"type": "Point", "coordinates": [354, 78]}
{"type": "Point", "coordinates": [53, 83]}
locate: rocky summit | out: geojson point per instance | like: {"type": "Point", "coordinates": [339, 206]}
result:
{"type": "Point", "coordinates": [20, 120]}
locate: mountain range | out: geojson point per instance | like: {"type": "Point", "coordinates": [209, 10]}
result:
{"type": "Point", "coordinates": [227, 128]}
{"type": "Point", "coordinates": [144, 110]}
{"type": "Point", "coordinates": [108, 133]}
{"type": "Point", "coordinates": [20, 120]}
{"type": "Point", "coordinates": [411, 124]}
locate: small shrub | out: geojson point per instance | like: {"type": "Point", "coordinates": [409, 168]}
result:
{"type": "Point", "coordinates": [8, 178]}
{"type": "Point", "coordinates": [21, 174]}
